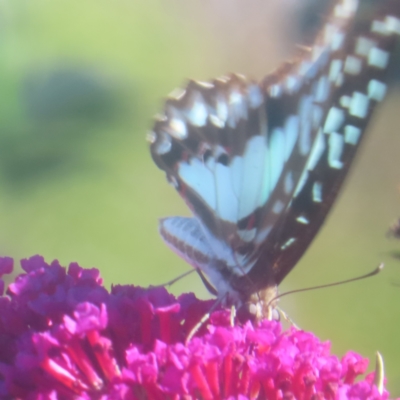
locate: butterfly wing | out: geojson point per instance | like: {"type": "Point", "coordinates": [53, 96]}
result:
{"type": "Point", "coordinates": [260, 165]}
{"type": "Point", "coordinates": [356, 88]}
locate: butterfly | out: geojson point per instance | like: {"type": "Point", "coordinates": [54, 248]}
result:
{"type": "Point", "coordinates": [260, 164]}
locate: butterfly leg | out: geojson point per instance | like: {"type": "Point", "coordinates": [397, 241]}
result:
{"type": "Point", "coordinates": [204, 319]}
{"type": "Point", "coordinates": [286, 317]}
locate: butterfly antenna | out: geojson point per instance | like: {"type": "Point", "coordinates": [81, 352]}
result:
{"type": "Point", "coordinates": [357, 278]}
{"type": "Point", "coordinates": [170, 283]}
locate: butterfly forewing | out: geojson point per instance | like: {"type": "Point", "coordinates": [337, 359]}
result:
{"type": "Point", "coordinates": [260, 164]}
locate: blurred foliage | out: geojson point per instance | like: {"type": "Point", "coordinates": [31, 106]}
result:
{"type": "Point", "coordinates": [80, 82]}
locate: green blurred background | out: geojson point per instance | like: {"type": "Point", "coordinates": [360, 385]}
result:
{"type": "Point", "coordinates": [80, 81]}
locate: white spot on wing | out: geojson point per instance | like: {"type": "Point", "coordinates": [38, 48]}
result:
{"type": "Point", "coordinates": [379, 27]}
{"type": "Point", "coordinates": [237, 108]}
{"type": "Point", "coordinates": [317, 192]}
{"type": "Point", "coordinates": [352, 65]}
{"type": "Point", "coordinates": [302, 220]}
{"type": "Point", "coordinates": [288, 243]}
{"type": "Point", "coordinates": [178, 128]}
{"type": "Point", "coordinates": [255, 96]}
{"type": "Point", "coordinates": [378, 58]}
{"type": "Point", "coordinates": [197, 113]}
{"type": "Point", "coordinates": [359, 105]}
{"type": "Point", "coordinates": [334, 70]}
{"type": "Point", "coordinates": [376, 90]}
{"type": "Point", "coordinates": [351, 134]}
{"type": "Point", "coordinates": [292, 83]}
{"type": "Point", "coordinates": [345, 9]}
{"type": "Point", "coordinates": [163, 144]}
{"type": "Point", "coordinates": [392, 24]}
{"type": "Point", "coordinates": [278, 207]}
{"type": "Point", "coordinates": [345, 101]}
{"type": "Point", "coordinates": [363, 46]}
{"type": "Point", "coordinates": [333, 120]}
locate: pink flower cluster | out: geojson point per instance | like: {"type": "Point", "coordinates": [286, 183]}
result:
{"type": "Point", "coordinates": [63, 336]}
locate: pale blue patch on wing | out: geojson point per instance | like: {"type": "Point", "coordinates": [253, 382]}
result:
{"type": "Point", "coordinates": [305, 137]}
{"type": "Point", "coordinates": [199, 178]}
{"type": "Point", "coordinates": [336, 142]}
{"type": "Point", "coordinates": [227, 202]}
{"type": "Point", "coordinates": [317, 150]}
{"type": "Point", "coordinates": [253, 175]}
{"type": "Point", "coordinates": [315, 155]}
{"type": "Point", "coordinates": [322, 89]}
{"type": "Point", "coordinates": [276, 156]}
{"type": "Point", "coordinates": [305, 110]}
{"type": "Point", "coordinates": [291, 134]}
{"type": "Point", "coordinates": [236, 169]}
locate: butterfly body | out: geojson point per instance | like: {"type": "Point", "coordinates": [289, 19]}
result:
{"type": "Point", "coordinates": [260, 164]}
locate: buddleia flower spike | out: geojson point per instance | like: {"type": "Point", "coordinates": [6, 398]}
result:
{"type": "Point", "coordinates": [64, 336]}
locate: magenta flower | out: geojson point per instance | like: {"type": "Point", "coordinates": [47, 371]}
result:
{"type": "Point", "coordinates": [63, 336]}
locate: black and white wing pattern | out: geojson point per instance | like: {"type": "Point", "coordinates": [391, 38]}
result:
{"type": "Point", "coordinates": [260, 164]}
